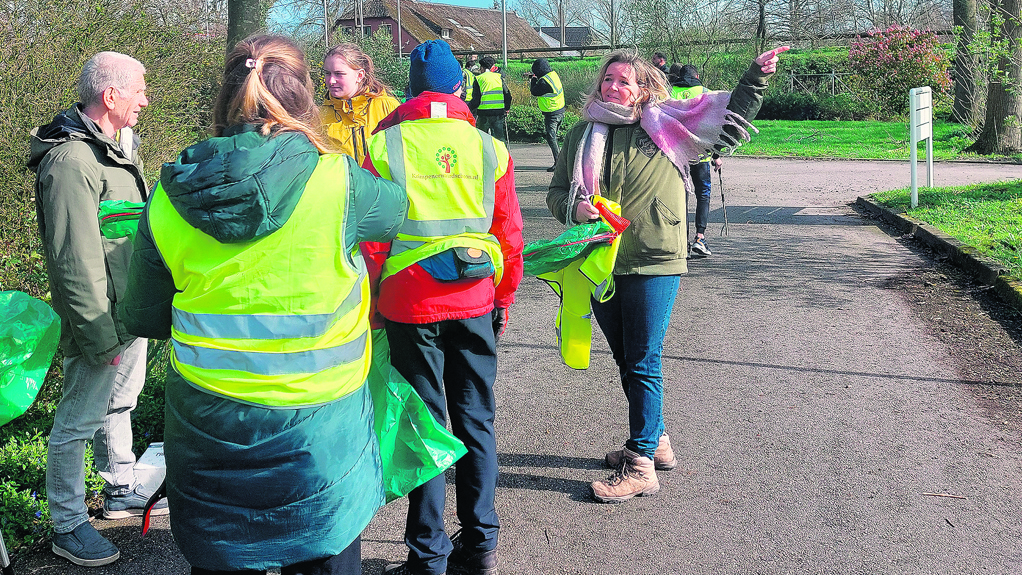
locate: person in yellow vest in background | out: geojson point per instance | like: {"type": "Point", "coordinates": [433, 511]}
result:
{"type": "Point", "coordinates": [546, 86]}
{"type": "Point", "coordinates": [356, 99]}
{"type": "Point", "coordinates": [491, 100]}
{"type": "Point", "coordinates": [468, 77]}
{"type": "Point", "coordinates": [247, 259]}
{"type": "Point", "coordinates": [446, 283]}
{"type": "Point", "coordinates": [685, 84]}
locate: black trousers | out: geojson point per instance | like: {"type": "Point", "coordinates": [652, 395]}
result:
{"type": "Point", "coordinates": [452, 364]}
{"type": "Point", "coordinates": [347, 562]}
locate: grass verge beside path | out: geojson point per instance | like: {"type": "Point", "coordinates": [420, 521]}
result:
{"type": "Point", "coordinates": [985, 216]}
{"type": "Point", "coordinates": [864, 140]}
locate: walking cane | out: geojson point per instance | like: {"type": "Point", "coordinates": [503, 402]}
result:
{"type": "Point", "coordinates": [723, 205]}
{"type": "Point", "coordinates": [5, 562]}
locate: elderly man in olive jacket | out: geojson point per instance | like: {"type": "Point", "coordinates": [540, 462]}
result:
{"type": "Point", "coordinates": [88, 155]}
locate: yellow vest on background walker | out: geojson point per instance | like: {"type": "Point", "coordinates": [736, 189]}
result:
{"type": "Point", "coordinates": [589, 277]}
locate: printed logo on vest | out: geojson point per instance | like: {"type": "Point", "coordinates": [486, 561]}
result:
{"type": "Point", "coordinates": [446, 157]}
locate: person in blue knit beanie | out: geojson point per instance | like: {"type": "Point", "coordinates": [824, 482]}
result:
{"type": "Point", "coordinates": [445, 301]}
{"type": "Point", "coordinates": [433, 68]}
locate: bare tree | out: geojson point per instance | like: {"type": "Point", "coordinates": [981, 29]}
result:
{"type": "Point", "coordinates": [1002, 130]}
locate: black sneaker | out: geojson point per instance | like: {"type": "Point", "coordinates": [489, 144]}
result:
{"type": "Point", "coordinates": [465, 561]}
{"type": "Point", "coordinates": [699, 248]}
{"type": "Point", "coordinates": [131, 504]}
{"type": "Point", "coordinates": [85, 546]}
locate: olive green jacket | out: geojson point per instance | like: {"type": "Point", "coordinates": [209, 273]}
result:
{"type": "Point", "coordinates": [650, 189]}
{"type": "Point", "coordinates": [76, 167]}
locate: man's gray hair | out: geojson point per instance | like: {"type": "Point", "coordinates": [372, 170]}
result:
{"type": "Point", "coordinates": [105, 70]}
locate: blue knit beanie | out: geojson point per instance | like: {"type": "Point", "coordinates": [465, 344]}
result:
{"type": "Point", "coordinates": [433, 69]}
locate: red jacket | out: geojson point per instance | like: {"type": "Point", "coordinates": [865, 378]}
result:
{"type": "Point", "coordinates": [412, 295]}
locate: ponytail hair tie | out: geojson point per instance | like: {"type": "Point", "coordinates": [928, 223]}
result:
{"type": "Point", "coordinates": [250, 63]}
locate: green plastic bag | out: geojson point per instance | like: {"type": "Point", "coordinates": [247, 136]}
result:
{"type": "Point", "coordinates": [119, 218]}
{"type": "Point", "coordinates": [574, 243]}
{"type": "Point", "coordinates": [29, 333]}
{"type": "Point", "coordinates": [413, 446]}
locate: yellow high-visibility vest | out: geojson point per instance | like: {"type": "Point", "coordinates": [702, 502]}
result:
{"type": "Point", "coordinates": [449, 170]}
{"type": "Point", "coordinates": [491, 91]}
{"type": "Point", "coordinates": [592, 277]}
{"type": "Point", "coordinates": [466, 83]}
{"type": "Point", "coordinates": [555, 101]}
{"type": "Point", "coordinates": [679, 93]}
{"type": "Point", "coordinates": [279, 321]}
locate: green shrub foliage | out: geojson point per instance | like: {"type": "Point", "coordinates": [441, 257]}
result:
{"type": "Point", "coordinates": [802, 106]}
{"type": "Point", "coordinates": [888, 63]}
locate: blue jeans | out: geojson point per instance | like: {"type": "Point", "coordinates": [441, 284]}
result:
{"type": "Point", "coordinates": [701, 181]}
{"type": "Point", "coordinates": [634, 322]}
{"type": "Point", "coordinates": [452, 365]}
{"type": "Point", "coordinates": [95, 405]}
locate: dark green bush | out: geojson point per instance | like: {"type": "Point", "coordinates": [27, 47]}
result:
{"type": "Point", "coordinates": [526, 124]}
{"type": "Point", "coordinates": [802, 106]}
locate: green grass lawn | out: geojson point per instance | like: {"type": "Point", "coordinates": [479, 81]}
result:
{"type": "Point", "coordinates": [868, 140]}
{"type": "Point", "coordinates": [985, 216]}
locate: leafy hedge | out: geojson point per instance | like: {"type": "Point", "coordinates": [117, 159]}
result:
{"type": "Point", "coordinates": [801, 106]}
{"type": "Point", "coordinates": [526, 124]}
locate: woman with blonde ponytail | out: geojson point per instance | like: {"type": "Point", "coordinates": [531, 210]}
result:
{"type": "Point", "coordinates": [356, 99]}
{"type": "Point", "coordinates": [247, 260]}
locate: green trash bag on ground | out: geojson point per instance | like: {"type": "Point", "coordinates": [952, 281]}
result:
{"type": "Point", "coordinates": [574, 243]}
{"type": "Point", "coordinates": [414, 448]}
{"type": "Point", "coordinates": [29, 333]}
{"type": "Point", "coordinates": [119, 218]}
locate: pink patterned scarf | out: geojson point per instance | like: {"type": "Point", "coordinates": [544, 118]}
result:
{"type": "Point", "coordinates": [684, 130]}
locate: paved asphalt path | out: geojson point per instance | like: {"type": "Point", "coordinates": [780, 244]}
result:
{"type": "Point", "coordinates": [819, 428]}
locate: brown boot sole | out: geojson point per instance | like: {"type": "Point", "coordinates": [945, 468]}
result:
{"type": "Point", "coordinates": [623, 498]}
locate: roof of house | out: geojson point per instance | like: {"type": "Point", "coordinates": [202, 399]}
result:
{"type": "Point", "coordinates": [470, 28]}
{"type": "Point", "coordinates": [574, 35]}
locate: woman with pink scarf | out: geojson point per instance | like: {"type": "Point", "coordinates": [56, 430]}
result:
{"type": "Point", "coordinates": [635, 147]}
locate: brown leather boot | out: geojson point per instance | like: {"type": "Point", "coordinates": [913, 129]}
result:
{"type": "Point", "coordinates": [663, 459]}
{"type": "Point", "coordinates": [635, 477]}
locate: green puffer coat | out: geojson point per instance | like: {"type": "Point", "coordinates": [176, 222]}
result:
{"type": "Point", "coordinates": [76, 167]}
{"type": "Point", "coordinates": [255, 487]}
{"type": "Point", "coordinates": [650, 189]}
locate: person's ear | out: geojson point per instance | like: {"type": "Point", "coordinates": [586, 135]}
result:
{"type": "Point", "coordinates": [109, 98]}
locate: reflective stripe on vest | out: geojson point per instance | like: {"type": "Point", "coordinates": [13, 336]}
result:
{"type": "Point", "coordinates": [281, 321]}
{"type": "Point", "coordinates": [467, 78]}
{"type": "Point", "coordinates": [449, 171]}
{"type": "Point", "coordinates": [555, 101]}
{"type": "Point", "coordinates": [491, 91]}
